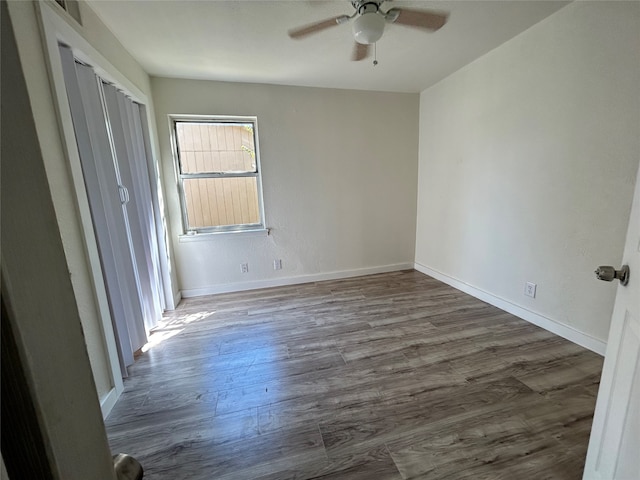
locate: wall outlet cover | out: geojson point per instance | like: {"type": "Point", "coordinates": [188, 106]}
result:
{"type": "Point", "coordinates": [530, 289]}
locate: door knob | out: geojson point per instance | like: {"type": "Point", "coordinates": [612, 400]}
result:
{"type": "Point", "coordinates": [608, 273]}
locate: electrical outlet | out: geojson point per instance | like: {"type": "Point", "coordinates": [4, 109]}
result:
{"type": "Point", "coordinates": [244, 267]}
{"type": "Point", "coordinates": [530, 289]}
{"type": "Point", "coordinates": [277, 264]}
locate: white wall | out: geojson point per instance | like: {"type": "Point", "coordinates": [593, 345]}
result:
{"type": "Point", "coordinates": [37, 289]}
{"type": "Point", "coordinates": [339, 185]}
{"type": "Point", "coordinates": [25, 18]}
{"type": "Point", "coordinates": [527, 164]}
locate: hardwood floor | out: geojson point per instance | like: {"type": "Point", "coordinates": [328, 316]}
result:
{"type": "Point", "coordinates": [390, 376]}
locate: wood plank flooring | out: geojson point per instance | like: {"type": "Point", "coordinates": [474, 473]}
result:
{"type": "Point", "coordinates": [390, 376]}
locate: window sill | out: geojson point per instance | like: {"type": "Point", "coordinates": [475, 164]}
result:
{"type": "Point", "coordinates": [204, 236]}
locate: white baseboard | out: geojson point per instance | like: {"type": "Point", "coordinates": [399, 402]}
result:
{"type": "Point", "coordinates": [553, 326]}
{"type": "Point", "coordinates": [108, 401]}
{"type": "Point", "coordinates": [279, 282]}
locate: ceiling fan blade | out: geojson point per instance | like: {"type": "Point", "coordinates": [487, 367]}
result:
{"type": "Point", "coordinates": [315, 27]}
{"type": "Point", "coordinates": [418, 18]}
{"type": "Point", "coordinates": [360, 52]}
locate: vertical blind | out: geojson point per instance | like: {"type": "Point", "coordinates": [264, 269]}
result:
{"type": "Point", "coordinates": [111, 147]}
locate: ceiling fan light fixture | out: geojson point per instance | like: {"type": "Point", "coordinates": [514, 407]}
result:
{"type": "Point", "coordinates": [368, 28]}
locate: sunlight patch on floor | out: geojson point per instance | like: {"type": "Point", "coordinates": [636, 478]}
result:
{"type": "Point", "coordinates": [157, 337]}
{"type": "Point", "coordinates": [170, 327]}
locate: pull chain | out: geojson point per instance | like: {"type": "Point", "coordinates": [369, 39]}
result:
{"type": "Point", "coordinates": [375, 54]}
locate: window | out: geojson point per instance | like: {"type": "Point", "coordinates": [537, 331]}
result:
{"type": "Point", "coordinates": [218, 168]}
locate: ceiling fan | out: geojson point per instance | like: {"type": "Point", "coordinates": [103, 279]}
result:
{"type": "Point", "coordinates": [369, 22]}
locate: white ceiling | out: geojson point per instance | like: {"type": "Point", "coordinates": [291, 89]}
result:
{"type": "Point", "coordinates": [247, 41]}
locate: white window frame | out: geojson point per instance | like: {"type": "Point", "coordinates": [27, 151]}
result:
{"type": "Point", "coordinates": [180, 177]}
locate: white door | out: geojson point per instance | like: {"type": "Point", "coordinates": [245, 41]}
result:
{"type": "Point", "coordinates": [106, 197]}
{"type": "Point", "coordinates": [614, 446]}
{"type": "Point", "coordinates": [131, 162]}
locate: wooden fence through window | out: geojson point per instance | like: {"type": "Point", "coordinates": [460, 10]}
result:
{"type": "Point", "coordinates": [220, 148]}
